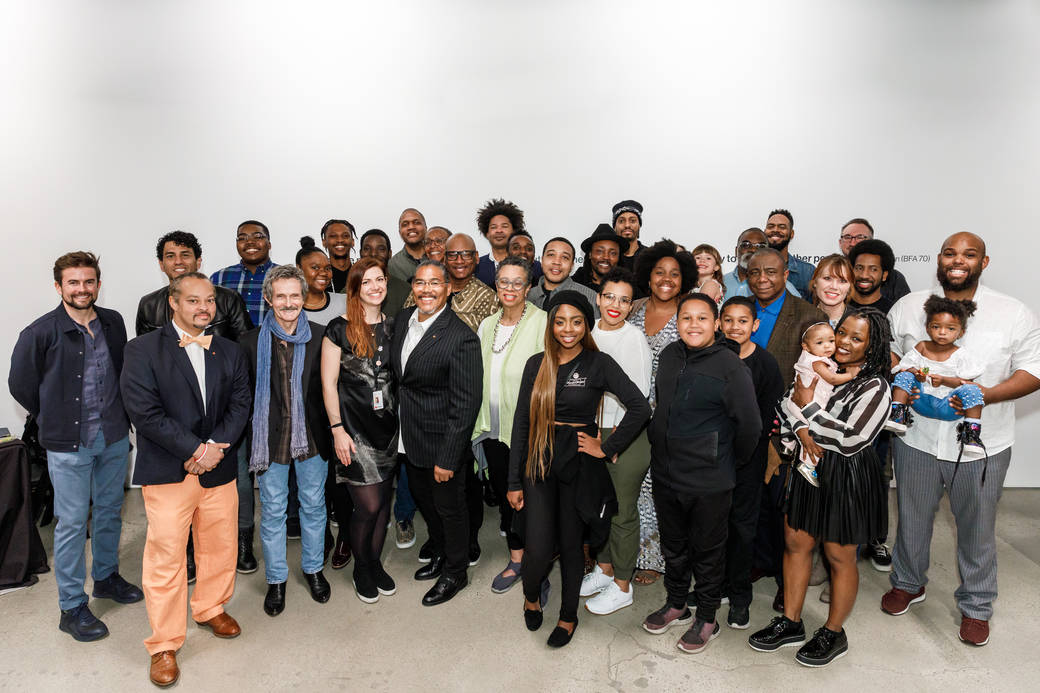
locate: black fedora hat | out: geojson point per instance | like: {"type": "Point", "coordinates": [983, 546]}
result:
{"type": "Point", "coordinates": [604, 232]}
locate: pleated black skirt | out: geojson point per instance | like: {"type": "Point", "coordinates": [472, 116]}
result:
{"type": "Point", "coordinates": [849, 505]}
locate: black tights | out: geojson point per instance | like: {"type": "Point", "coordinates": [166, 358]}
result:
{"type": "Point", "coordinates": [368, 522]}
{"type": "Point", "coordinates": [552, 516]}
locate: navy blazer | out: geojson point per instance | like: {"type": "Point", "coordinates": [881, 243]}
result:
{"type": "Point", "coordinates": [46, 375]}
{"type": "Point", "coordinates": [161, 395]}
{"type": "Point", "coordinates": [440, 391]}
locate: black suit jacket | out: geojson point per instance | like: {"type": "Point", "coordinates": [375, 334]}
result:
{"type": "Point", "coordinates": [440, 391]}
{"type": "Point", "coordinates": [161, 396]}
{"type": "Point", "coordinates": [317, 419]}
{"type": "Point", "coordinates": [231, 319]}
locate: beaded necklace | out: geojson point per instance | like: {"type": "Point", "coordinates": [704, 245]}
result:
{"type": "Point", "coordinates": [494, 337]}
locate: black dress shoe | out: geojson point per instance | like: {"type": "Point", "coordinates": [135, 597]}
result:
{"type": "Point", "coordinates": [432, 570]}
{"type": "Point", "coordinates": [825, 646]}
{"type": "Point", "coordinates": [560, 637]}
{"type": "Point", "coordinates": [320, 589]}
{"type": "Point", "coordinates": [341, 555]}
{"type": "Point", "coordinates": [274, 602]}
{"type": "Point", "coordinates": [446, 588]}
{"type": "Point", "coordinates": [246, 560]}
{"type": "Point", "coordinates": [533, 619]}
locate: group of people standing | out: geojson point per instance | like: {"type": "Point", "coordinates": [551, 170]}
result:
{"type": "Point", "coordinates": [644, 415]}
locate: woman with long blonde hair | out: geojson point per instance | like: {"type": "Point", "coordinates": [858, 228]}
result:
{"type": "Point", "coordinates": [557, 472]}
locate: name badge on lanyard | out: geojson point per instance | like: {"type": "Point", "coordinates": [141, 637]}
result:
{"type": "Point", "coordinates": [377, 400]}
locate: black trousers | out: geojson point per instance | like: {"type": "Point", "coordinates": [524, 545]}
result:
{"type": "Point", "coordinates": [769, 539]}
{"type": "Point", "coordinates": [551, 519]}
{"type": "Point", "coordinates": [443, 506]}
{"type": "Point", "coordinates": [743, 525]}
{"type": "Point", "coordinates": [693, 543]}
{"type": "Point", "coordinates": [474, 498]}
{"type": "Point", "coordinates": [497, 455]}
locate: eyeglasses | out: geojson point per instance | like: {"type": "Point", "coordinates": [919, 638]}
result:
{"type": "Point", "coordinates": [423, 284]}
{"type": "Point", "coordinates": [748, 245]}
{"type": "Point", "coordinates": [434, 241]}
{"type": "Point", "coordinates": [456, 254]}
{"type": "Point", "coordinates": [623, 300]}
{"type": "Point", "coordinates": [515, 285]}
{"type": "Point", "coordinates": [855, 239]}
{"type": "Point", "coordinates": [258, 236]}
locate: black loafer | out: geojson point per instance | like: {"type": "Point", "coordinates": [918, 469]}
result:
{"type": "Point", "coordinates": [432, 570]}
{"type": "Point", "coordinates": [532, 619]}
{"type": "Point", "coordinates": [320, 589]}
{"type": "Point", "coordinates": [560, 637]}
{"type": "Point", "coordinates": [446, 588]}
{"type": "Point", "coordinates": [274, 602]}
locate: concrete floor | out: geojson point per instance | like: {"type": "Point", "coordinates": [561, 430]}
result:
{"type": "Point", "coordinates": [477, 642]}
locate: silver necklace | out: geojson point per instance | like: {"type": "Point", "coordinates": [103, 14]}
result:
{"type": "Point", "coordinates": [494, 337]}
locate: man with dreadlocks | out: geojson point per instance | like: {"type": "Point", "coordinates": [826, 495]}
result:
{"type": "Point", "coordinates": [848, 507]}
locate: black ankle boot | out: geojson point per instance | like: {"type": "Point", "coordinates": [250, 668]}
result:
{"type": "Point", "coordinates": [246, 559]}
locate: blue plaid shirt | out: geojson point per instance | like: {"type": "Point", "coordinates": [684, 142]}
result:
{"type": "Point", "coordinates": [248, 285]}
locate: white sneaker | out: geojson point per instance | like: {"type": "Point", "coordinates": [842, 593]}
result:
{"type": "Point", "coordinates": [595, 582]}
{"type": "Point", "coordinates": [610, 600]}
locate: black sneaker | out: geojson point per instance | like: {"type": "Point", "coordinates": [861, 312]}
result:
{"type": "Point", "coordinates": [969, 434]}
{"type": "Point", "coordinates": [825, 647]}
{"type": "Point", "coordinates": [899, 418]}
{"type": "Point", "coordinates": [738, 617]}
{"type": "Point", "coordinates": [879, 556]}
{"type": "Point", "coordinates": [365, 585]}
{"type": "Point", "coordinates": [781, 632]}
{"type": "Point", "coordinates": [474, 553]}
{"type": "Point", "coordinates": [426, 552]}
{"type": "Point", "coordinates": [384, 583]}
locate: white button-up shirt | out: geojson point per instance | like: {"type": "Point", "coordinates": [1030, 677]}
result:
{"type": "Point", "coordinates": [416, 330]}
{"type": "Point", "coordinates": [1004, 334]}
{"type": "Point", "coordinates": [197, 356]}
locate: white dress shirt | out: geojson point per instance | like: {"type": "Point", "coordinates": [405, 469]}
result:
{"type": "Point", "coordinates": [1004, 334]}
{"type": "Point", "coordinates": [197, 356]}
{"type": "Point", "coordinates": [416, 330]}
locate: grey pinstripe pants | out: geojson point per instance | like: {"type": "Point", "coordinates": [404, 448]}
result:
{"type": "Point", "coordinates": [922, 480]}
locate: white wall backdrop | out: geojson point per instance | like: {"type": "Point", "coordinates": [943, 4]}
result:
{"type": "Point", "coordinates": [123, 120]}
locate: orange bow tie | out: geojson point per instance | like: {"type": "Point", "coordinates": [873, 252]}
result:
{"type": "Point", "coordinates": [202, 340]}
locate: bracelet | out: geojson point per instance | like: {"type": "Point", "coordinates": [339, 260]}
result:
{"type": "Point", "coordinates": [336, 425]}
{"type": "Point", "coordinates": [205, 449]}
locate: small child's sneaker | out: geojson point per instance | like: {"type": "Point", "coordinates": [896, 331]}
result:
{"type": "Point", "coordinates": [899, 418]}
{"type": "Point", "coordinates": [809, 472]}
{"type": "Point", "coordinates": [969, 434]}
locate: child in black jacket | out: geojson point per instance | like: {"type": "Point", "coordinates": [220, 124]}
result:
{"type": "Point", "coordinates": [706, 424]}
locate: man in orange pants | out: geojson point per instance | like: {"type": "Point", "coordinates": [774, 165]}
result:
{"type": "Point", "coordinates": [188, 396]}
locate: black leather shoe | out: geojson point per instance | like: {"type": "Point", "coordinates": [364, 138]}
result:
{"type": "Point", "coordinates": [446, 588]}
{"type": "Point", "coordinates": [781, 632]}
{"type": "Point", "coordinates": [246, 559]}
{"type": "Point", "coordinates": [533, 619]}
{"type": "Point", "coordinates": [82, 625]}
{"type": "Point", "coordinates": [560, 637]}
{"type": "Point", "coordinates": [190, 554]}
{"type": "Point", "coordinates": [320, 588]}
{"type": "Point", "coordinates": [432, 570]}
{"type": "Point", "coordinates": [426, 552]}
{"type": "Point", "coordinates": [274, 602]}
{"type": "Point", "coordinates": [341, 555]}
{"type": "Point", "coordinates": [824, 648]}
{"type": "Point", "coordinates": [117, 589]}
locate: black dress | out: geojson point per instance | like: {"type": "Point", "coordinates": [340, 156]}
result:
{"type": "Point", "coordinates": [849, 506]}
{"type": "Point", "coordinates": [374, 431]}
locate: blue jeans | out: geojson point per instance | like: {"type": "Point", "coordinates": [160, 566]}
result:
{"type": "Point", "coordinates": [274, 499]}
{"type": "Point", "coordinates": [933, 407]}
{"type": "Point", "coordinates": [96, 471]}
{"type": "Point", "coordinates": [404, 507]}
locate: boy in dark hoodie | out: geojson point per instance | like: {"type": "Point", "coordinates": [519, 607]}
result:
{"type": "Point", "coordinates": [706, 425]}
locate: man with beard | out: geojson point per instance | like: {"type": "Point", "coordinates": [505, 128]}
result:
{"type": "Point", "coordinates": [433, 244]}
{"type": "Point", "coordinates": [253, 243]}
{"type": "Point", "coordinates": [779, 232]}
{"type": "Point", "coordinates": [603, 249]}
{"type": "Point", "coordinates": [471, 300]}
{"type": "Point", "coordinates": [438, 368]}
{"type": "Point", "coordinates": [187, 394]}
{"type": "Point", "coordinates": [628, 221]}
{"type": "Point", "coordinates": [65, 372]}
{"type": "Point", "coordinates": [521, 244]}
{"type": "Point", "coordinates": [1006, 334]}
{"type": "Point", "coordinates": [858, 230]}
{"type": "Point", "coordinates": [557, 263]}
{"type": "Point", "coordinates": [338, 237]}
{"type": "Point", "coordinates": [375, 243]}
{"type": "Point", "coordinates": [748, 242]}
{"type": "Point", "coordinates": [412, 227]}
{"type": "Point", "coordinates": [872, 263]}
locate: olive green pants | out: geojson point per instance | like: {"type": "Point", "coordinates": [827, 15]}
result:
{"type": "Point", "coordinates": [622, 549]}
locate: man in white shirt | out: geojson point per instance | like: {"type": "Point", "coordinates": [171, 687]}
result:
{"type": "Point", "coordinates": [1005, 333]}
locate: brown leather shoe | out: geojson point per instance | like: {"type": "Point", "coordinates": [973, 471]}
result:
{"type": "Point", "coordinates": [222, 625]}
{"type": "Point", "coordinates": [164, 671]}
